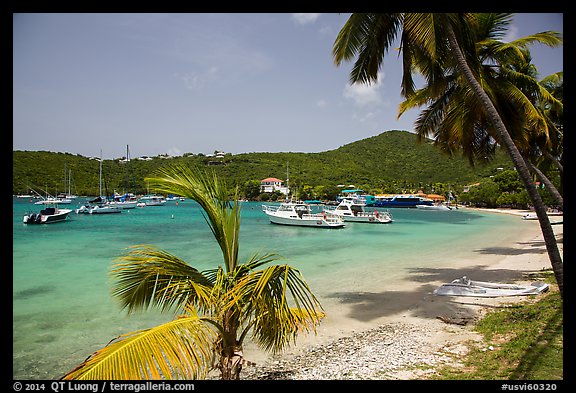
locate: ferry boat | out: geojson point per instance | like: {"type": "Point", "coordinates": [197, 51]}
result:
{"type": "Point", "coordinates": [401, 200]}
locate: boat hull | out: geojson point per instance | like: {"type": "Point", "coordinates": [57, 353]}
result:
{"type": "Point", "coordinates": [305, 222]}
{"type": "Point", "coordinates": [407, 204]}
{"type": "Point", "coordinates": [124, 205]}
{"type": "Point", "coordinates": [105, 210]}
{"type": "Point", "coordinates": [433, 207]}
{"type": "Point", "coordinates": [366, 218]}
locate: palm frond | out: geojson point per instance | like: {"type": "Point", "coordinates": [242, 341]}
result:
{"type": "Point", "coordinates": [369, 37]}
{"type": "Point", "coordinates": [281, 304]}
{"type": "Point", "coordinates": [146, 276]}
{"type": "Point", "coordinates": [180, 349]}
{"type": "Point", "coordinates": [212, 195]}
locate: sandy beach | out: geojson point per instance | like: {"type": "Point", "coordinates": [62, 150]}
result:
{"type": "Point", "coordinates": [385, 335]}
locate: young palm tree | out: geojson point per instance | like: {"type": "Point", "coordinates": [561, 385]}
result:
{"type": "Point", "coordinates": [432, 44]}
{"type": "Point", "coordinates": [219, 307]}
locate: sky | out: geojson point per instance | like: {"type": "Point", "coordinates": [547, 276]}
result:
{"type": "Point", "coordinates": [164, 83]}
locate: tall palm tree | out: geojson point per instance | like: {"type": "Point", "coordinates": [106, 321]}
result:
{"type": "Point", "coordinates": [522, 102]}
{"type": "Point", "coordinates": [219, 307]}
{"type": "Point", "coordinates": [431, 44]}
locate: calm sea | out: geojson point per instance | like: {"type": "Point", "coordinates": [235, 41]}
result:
{"type": "Point", "coordinates": [63, 311]}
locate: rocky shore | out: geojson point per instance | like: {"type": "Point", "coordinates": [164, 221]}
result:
{"type": "Point", "coordinates": [393, 351]}
{"type": "Point", "coordinates": [432, 332]}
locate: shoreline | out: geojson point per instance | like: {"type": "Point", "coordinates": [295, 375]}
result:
{"type": "Point", "coordinates": [429, 331]}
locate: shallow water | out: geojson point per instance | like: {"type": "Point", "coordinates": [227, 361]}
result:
{"type": "Point", "coordinates": [63, 311]}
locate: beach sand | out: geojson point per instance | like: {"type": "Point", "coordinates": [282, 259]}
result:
{"type": "Point", "coordinates": [386, 335]}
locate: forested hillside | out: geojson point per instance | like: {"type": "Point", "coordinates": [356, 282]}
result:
{"type": "Point", "coordinates": [386, 162]}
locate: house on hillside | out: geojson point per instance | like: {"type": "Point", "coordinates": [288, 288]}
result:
{"type": "Point", "coordinates": [272, 184]}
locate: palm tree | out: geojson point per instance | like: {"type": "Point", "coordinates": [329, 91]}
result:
{"type": "Point", "coordinates": [522, 102]}
{"type": "Point", "coordinates": [432, 44]}
{"type": "Point", "coordinates": [219, 307]}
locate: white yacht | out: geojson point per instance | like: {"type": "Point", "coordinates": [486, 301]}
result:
{"type": "Point", "coordinates": [152, 200]}
{"type": "Point", "coordinates": [300, 214]}
{"type": "Point", "coordinates": [352, 210]}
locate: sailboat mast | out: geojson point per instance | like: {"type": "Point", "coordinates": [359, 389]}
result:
{"type": "Point", "coordinates": [127, 181]}
{"type": "Point", "coordinates": [100, 173]}
{"type": "Point", "coordinates": [287, 177]}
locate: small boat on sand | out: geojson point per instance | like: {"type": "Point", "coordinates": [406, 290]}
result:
{"type": "Point", "coordinates": [466, 287]}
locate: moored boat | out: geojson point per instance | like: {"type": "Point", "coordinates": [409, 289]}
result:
{"type": "Point", "coordinates": [401, 200]}
{"type": "Point", "coordinates": [354, 211]}
{"type": "Point", "coordinates": [48, 215]}
{"type": "Point", "coordinates": [152, 200]}
{"type": "Point", "coordinates": [435, 206]}
{"type": "Point", "coordinates": [300, 214]}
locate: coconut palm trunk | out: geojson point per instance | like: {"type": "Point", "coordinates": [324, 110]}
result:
{"type": "Point", "coordinates": [549, 185]}
{"type": "Point", "coordinates": [514, 153]}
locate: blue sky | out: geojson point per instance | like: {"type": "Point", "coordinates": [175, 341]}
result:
{"type": "Point", "coordinates": [196, 83]}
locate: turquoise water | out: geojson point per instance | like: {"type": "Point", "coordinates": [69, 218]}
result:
{"type": "Point", "coordinates": [63, 311]}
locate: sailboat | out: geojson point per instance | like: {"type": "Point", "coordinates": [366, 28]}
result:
{"type": "Point", "coordinates": [99, 205]}
{"type": "Point", "coordinates": [128, 200]}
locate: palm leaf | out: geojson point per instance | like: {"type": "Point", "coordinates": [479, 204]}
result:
{"type": "Point", "coordinates": [212, 195]}
{"type": "Point", "coordinates": [280, 303]}
{"type": "Point", "coordinates": [146, 276]}
{"type": "Point", "coordinates": [180, 349]}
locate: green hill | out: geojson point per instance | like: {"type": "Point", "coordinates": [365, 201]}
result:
{"type": "Point", "coordinates": [384, 162]}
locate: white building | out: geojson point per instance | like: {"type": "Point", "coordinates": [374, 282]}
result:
{"type": "Point", "coordinates": [272, 184]}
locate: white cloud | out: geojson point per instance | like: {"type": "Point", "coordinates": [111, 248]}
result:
{"type": "Point", "coordinates": [305, 18]}
{"type": "Point", "coordinates": [321, 103]}
{"type": "Point", "coordinates": [363, 94]}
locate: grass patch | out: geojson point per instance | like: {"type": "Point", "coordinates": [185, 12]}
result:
{"type": "Point", "coordinates": [523, 342]}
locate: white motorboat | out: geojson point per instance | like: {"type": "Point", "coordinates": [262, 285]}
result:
{"type": "Point", "coordinates": [436, 206]}
{"type": "Point", "coordinates": [353, 210]}
{"type": "Point", "coordinates": [466, 287]}
{"type": "Point", "coordinates": [126, 201]}
{"type": "Point", "coordinates": [52, 200]}
{"type": "Point", "coordinates": [300, 214]}
{"type": "Point", "coordinates": [153, 200]}
{"type": "Point", "coordinates": [48, 215]}
{"type": "Point", "coordinates": [98, 205]}
{"type": "Point", "coordinates": [104, 209]}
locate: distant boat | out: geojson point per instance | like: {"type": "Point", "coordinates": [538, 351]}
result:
{"type": "Point", "coordinates": [353, 211]}
{"type": "Point", "coordinates": [300, 214]}
{"type": "Point", "coordinates": [52, 200]}
{"type": "Point", "coordinates": [530, 216]}
{"type": "Point", "coordinates": [401, 200]}
{"type": "Point", "coordinates": [435, 206]}
{"type": "Point", "coordinates": [152, 200]}
{"type": "Point", "coordinates": [104, 209]}
{"type": "Point", "coordinates": [128, 200]}
{"type": "Point", "coordinates": [99, 205]}
{"type": "Point", "coordinates": [48, 215]}
{"type": "Point", "coordinates": [357, 195]}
